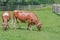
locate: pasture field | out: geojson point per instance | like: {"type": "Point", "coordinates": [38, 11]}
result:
{"type": "Point", "coordinates": [50, 28]}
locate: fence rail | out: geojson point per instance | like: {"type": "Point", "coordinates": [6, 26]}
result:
{"type": "Point", "coordinates": [27, 7]}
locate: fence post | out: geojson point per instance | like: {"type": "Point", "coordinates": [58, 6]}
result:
{"type": "Point", "coordinates": [29, 7]}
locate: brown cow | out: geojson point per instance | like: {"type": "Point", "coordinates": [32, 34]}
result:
{"type": "Point", "coordinates": [24, 16]}
{"type": "Point", "coordinates": [6, 18]}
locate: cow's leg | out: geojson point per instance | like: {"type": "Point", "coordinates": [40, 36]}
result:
{"type": "Point", "coordinates": [5, 24]}
{"type": "Point", "coordinates": [8, 26]}
{"type": "Point", "coordinates": [29, 24]}
{"type": "Point", "coordinates": [5, 28]}
{"type": "Point", "coordinates": [14, 23]}
{"type": "Point", "coordinates": [29, 27]}
{"type": "Point", "coordinates": [18, 24]}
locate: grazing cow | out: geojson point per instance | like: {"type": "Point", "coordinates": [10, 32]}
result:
{"type": "Point", "coordinates": [6, 18]}
{"type": "Point", "coordinates": [24, 16]}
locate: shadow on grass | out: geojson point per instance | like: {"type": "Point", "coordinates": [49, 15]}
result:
{"type": "Point", "coordinates": [57, 13]}
{"type": "Point", "coordinates": [26, 29]}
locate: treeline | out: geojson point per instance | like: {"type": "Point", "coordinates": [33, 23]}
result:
{"type": "Point", "coordinates": [37, 2]}
{"type": "Point", "coordinates": [33, 2]}
{"type": "Point", "coordinates": [28, 2]}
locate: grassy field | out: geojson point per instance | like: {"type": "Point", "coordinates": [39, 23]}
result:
{"type": "Point", "coordinates": [50, 29]}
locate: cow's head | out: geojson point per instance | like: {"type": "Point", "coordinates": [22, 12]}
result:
{"type": "Point", "coordinates": [39, 25]}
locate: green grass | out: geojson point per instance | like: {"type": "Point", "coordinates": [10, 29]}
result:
{"type": "Point", "coordinates": [50, 28]}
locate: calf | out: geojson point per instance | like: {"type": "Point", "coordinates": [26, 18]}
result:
{"type": "Point", "coordinates": [6, 17]}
